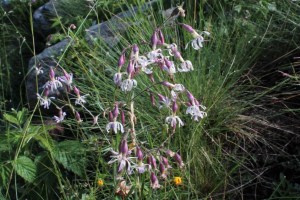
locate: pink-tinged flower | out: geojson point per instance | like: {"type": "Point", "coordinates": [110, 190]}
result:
{"type": "Point", "coordinates": [79, 99]}
{"type": "Point", "coordinates": [67, 79]}
{"type": "Point", "coordinates": [179, 161]}
{"type": "Point", "coordinates": [170, 153]}
{"type": "Point", "coordinates": [154, 181]}
{"type": "Point", "coordinates": [175, 87]}
{"type": "Point", "coordinates": [169, 66]}
{"type": "Point", "coordinates": [122, 157]}
{"type": "Point", "coordinates": [140, 166]}
{"type": "Point", "coordinates": [60, 117]}
{"type": "Point", "coordinates": [154, 40]}
{"type": "Point", "coordinates": [186, 66]}
{"type": "Point", "coordinates": [166, 162]}
{"type": "Point", "coordinates": [163, 171]}
{"type": "Point", "coordinates": [121, 61]}
{"type": "Point", "coordinates": [198, 38]}
{"type": "Point", "coordinates": [173, 120]}
{"type": "Point", "coordinates": [194, 108]}
{"type": "Point", "coordinates": [113, 124]}
{"type": "Point", "coordinates": [155, 55]}
{"type": "Point", "coordinates": [173, 51]}
{"type": "Point", "coordinates": [128, 84]}
{"type": "Point", "coordinates": [45, 100]}
{"type": "Point", "coordinates": [53, 83]}
{"type": "Point", "coordinates": [78, 118]}
{"type": "Point", "coordinates": [161, 37]}
{"type": "Point", "coordinates": [164, 101]}
{"type": "Point", "coordinates": [118, 78]}
{"type": "Point", "coordinates": [122, 189]}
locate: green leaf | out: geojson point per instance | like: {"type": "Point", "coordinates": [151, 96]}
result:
{"type": "Point", "coordinates": [5, 173]}
{"type": "Point", "coordinates": [11, 118]}
{"type": "Point", "coordinates": [71, 154]}
{"type": "Point", "coordinates": [25, 168]}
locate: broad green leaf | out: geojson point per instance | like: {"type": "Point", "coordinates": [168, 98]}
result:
{"type": "Point", "coordinates": [25, 168]}
{"type": "Point", "coordinates": [11, 118]}
{"type": "Point", "coordinates": [71, 154]}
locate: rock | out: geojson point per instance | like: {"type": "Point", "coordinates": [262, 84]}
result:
{"type": "Point", "coordinates": [41, 18]}
{"type": "Point", "coordinates": [104, 31]}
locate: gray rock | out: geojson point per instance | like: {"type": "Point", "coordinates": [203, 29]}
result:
{"type": "Point", "coordinates": [41, 18]}
{"type": "Point", "coordinates": [107, 30]}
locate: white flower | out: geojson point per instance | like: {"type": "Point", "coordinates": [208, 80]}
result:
{"type": "Point", "coordinates": [122, 159]}
{"type": "Point", "coordinates": [171, 68]}
{"type": "Point", "coordinates": [39, 70]}
{"type": "Point", "coordinates": [154, 55]}
{"type": "Point", "coordinates": [128, 84]}
{"type": "Point", "coordinates": [81, 99]}
{"type": "Point", "coordinates": [186, 66]}
{"type": "Point", "coordinates": [197, 43]}
{"type": "Point", "coordinates": [172, 120]}
{"type": "Point", "coordinates": [60, 118]}
{"type": "Point", "coordinates": [53, 84]}
{"type": "Point", "coordinates": [45, 101]}
{"type": "Point", "coordinates": [115, 126]}
{"type": "Point", "coordinates": [67, 79]}
{"type": "Point", "coordinates": [178, 88]}
{"type": "Point", "coordinates": [118, 78]}
{"type": "Point", "coordinates": [195, 112]}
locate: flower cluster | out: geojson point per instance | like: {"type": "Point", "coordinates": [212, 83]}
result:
{"type": "Point", "coordinates": [155, 162]}
{"type": "Point", "coordinates": [53, 85]}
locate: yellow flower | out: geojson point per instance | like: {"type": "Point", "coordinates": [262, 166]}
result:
{"type": "Point", "coordinates": [100, 182]}
{"type": "Point", "coordinates": [177, 180]}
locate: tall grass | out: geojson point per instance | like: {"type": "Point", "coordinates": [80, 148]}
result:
{"type": "Point", "coordinates": [219, 151]}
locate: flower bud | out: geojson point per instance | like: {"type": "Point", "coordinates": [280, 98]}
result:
{"type": "Point", "coordinates": [165, 161]}
{"type": "Point", "coordinates": [76, 91]}
{"type": "Point", "coordinates": [188, 28]}
{"type": "Point", "coordinates": [161, 37]}
{"type": "Point", "coordinates": [124, 147]}
{"type": "Point", "coordinates": [121, 60]}
{"type": "Point", "coordinates": [153, 162]}
{"type": "Point", "coordinates": [153, 178]}
{"type": "Point", "coordinates": [167, 84]}
{"type": "Point", "coordinates": [46, 92]}
{"type": "Point", "coordinates": [77, 116]}
{"type": "Point", "coordinates": [154, 40]}
{"type": "Point", "coordinates": [115, 111]}
{"type": "Point", "coordinates": [130, 68]}
{"type": "Point", "coordinates": [51, 73]}
{"type": "Point", "coordinates": [190, 96]}
{"type": "Point", "coordinates": [161, 168]}
{"type": "Point", "coordinates": [135, 49]}
{"type": "Point", "coordinates": [178, 159]}
{"type": "Point", "coordinates": [174, 107]}
{"type": "Point", "coordinates": [139, 153]}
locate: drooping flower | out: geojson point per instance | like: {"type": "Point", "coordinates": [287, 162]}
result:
{"type": "Point", "coordinates": [45, 100]}
{"type": "Point", "coordinates": [194, 108]}
{"type": "Point", "coordinates": [67, 79]}
{"type": "Point", "coordinates": [154, 181]}
{"type": "Point", "coordinates": [186, 66]}
{"type": "Point", "coordinates": [79, 99]}
{"type": "Point", "coordinates": [78, 118]}
{"type": "Point", "coordinates": [198, 38]}
{"type": "Point", "coordinates": [164, 101]}
{"type": "Point", "coordinates": [53, 83]}
{"type": "Point", "coordinates": [114, 124]}
{"type": "Point", "coordinates": [169, 66]}
{"type": "Point", "coordinates": [122, 189]}
{"type": "Point", "coordinates": [60, 117]}
{"type": "Point", "coordinates": [179, 161]}
{"type": "Point", "coordinates": [173, 120]}
{"type": "Point", "coordinates": [122, 157]}
{"type": "Point", "coordinates": [140, 166]}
